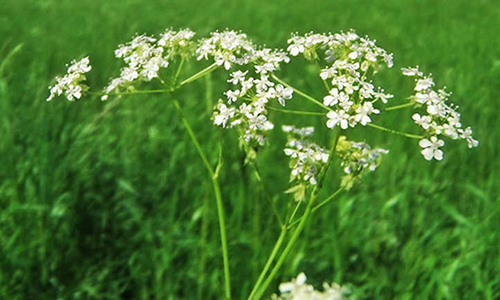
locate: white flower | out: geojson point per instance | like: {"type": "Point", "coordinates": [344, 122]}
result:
{"type": "Point", "coordinates": [295, 49]}
{"type": "Point", "coordinates": [363, 112]}
{"type": "Point", "coordinates": [467, 135]}
{"type": "Point", "coordinates": [424, 84]}
{"type": "Point", "coordinates": [71, 84]}
{"type": "Point", "coordinates": [423, 121]}
{"type": "Point", "coordinates": [431, 148]}
{"type": "Point", "coordinates": [412, 72]}
{"type": "Point", "coordinates": [232, 96]}
{"type": "Point", "coordinates": [223, 114]}
{"type": "Point", "coordinates": [340, 117]}
{"type": "Point", "coordinates": [282, 93]}
{"type": "Point", "coordinates": [298, 289]}
{"type": "Point", "coordinates": [263, 83]}
{"type": "Point", "coordinates": [289, 287]}
{"type": "Point", "coordinates": [237, 77]}
{"type": "Point", "coordinates": [327, 73]}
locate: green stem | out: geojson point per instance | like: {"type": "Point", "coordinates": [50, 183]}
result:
{"type": "Point", "coordinates": [277, 246]}
{"type": "Point", "coordinates": [131, 92]}
{"type": "Point", "coordinates": [294, 213]}
{"type": "Point", "coordinates": [297, 112]}
{"type": "Point", "coordinates": [176, 76]}
{"type": "Point", "coordinates": [218, 199]}
{"type": "Point", "coordinates": [306, 96]}
{"type": "Point", "coordinates": [199, 74]}
{"type": "Point", "coordinates": [324, 81]}
{"type": "Point", "coordinates": [408, 135]}
{"type": "Point", "coordinates": [270, 260]}
{"type": "Point", "coordinates": [400, 106]}
{"type": "Point", "coordinates": [318, 206]}
{"type": "Point", "coordinates": [291, 243]}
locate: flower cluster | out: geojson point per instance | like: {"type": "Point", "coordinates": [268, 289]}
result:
{"type": "Point", "coordinates": [350, 59]}
{"type": "Point", "coordinates": [145, 56]}
{"type": "Point", "coordinates": [177, 42]}
{"type": "Point", "coordinates": [227, 47]}
{"type": "Point", "coordinates": [297, 289]}
{"type": "Point", "coordinates": [437, 118]}
{"type": "Point", "coordinates": [245, 105]}
{"type": "Point", "coordinates": [306, 157]}
{"type": "Point", "coordinates": [357, 157]}
{"type": "Point", "coordinates": [71, 84]}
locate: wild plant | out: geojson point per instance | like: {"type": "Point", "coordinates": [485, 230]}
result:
{"type": "Point", "coordinates": [345, 63]}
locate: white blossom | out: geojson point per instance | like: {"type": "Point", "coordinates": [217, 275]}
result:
{"type": "Point", "coordinates": [340, 117]}
{"type": "Point", "coordinates": [298, 289]}
{"type": "Point", "coordinates": [412, 72]}
{"type": "Point", "coordinates": [467, 135]}
{"type": "Point", "coordinates": [441, 118]}
{"type": "Point", "coordinates": [306, 158]}
{"type": "Point", "coordinates": [431, 148]}
{"type": "Point", "coordinates": [223, 114]}
{"type": "Point", "coordinates": [71, 84]}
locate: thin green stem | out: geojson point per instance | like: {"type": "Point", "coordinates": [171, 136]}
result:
{"type": "Point", "coordinates": [330, 198]}
{"type": "Point", "coordinates": [400, 106]}
{"type": "Point", "coordinates": [324, 81]}
{"type": "Point", "coordinates": [277, 246]}
{"type": "Point", "coordinates": [218, 198]}
{"type": "Point", "coordinates": [306, 96]}
{"type": "Point", "coordinates": [294, 213]}
{"type": "Point", "coordinates": [269, 261]}
{"type": "Point", "coordinates": [291, 243]}
{"type": "Point", "coordinates": [131, 92]}
{"type": "Point", "coordinates": [223, 237]}
{"type": "Point", "coordinates": [296, 112]}
{"type": "Point", "coordinates": [318, 206]}
{"type": "Point", "coordinates": [193, 138]}
{"type": "Point", "coordinates": [178, 72]}
{"type": "Point", "coordinates": [199, 74]}
{"type": "Point", "coordinates": [408, 135]}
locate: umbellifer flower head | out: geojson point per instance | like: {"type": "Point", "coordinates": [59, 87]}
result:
{"type": "Point", "coordinates": [71, 84]}
{"type": "Point", "coordinates": [437, 117]}
{"type": "Point", "coordinates": [298, 289]}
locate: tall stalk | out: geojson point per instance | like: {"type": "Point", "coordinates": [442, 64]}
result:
{"type": "Point", "coordinates": [260, 288]}
{"type": "Point", "coordinates": [218, 198]}
{"type": "Point", "coordinates": [213, 173]}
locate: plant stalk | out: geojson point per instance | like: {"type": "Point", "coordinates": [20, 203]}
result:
{"type": "Point", "coordinates": [291, 243]}
{"type": "Point", "coordinates": [218, 198]}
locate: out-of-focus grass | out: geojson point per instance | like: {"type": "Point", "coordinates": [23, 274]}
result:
{"type": "Point", "coordinates": [118, 207]}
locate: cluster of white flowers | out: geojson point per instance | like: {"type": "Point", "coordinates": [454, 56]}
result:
{"type": "Point", "coordinates": [439, 118]}
{"type": "Point", "coordinates": [297, 289]}
{"type": "Point", "coordinates": [357, 157]}
{"type": "Point", "coordinates": [349, 59]}
{"type": "Point", "coordinates": [226, 48]}
{"type": "Point", "coordinates": [145, 56]}
{"type": "Point", "coordinates": [245, 105]}
{"type": "Point", "coordinates": [71, 84]}
{"type": "Point", "coordinates": [306, 158]}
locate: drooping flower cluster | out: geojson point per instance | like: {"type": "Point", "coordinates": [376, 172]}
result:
{"type": "Point", "coordinates": [145, 56]}
{"type": "Point", "coordinates": [357, 157]}
{"type": "Point", "coordinates": [437, 118]}
{"type": "Point", "coordinates": [245, 105]}
{"type": "Point", "coordinates": [350, 59]}
{"type": "Point", "coordinates": [306, 158]}
{"type": "Point", "coordinates": [71, 84]}
{"type": "Point", "coordinates": [297, 289]}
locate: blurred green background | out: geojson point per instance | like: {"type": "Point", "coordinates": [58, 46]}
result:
{"type": "Point", "coordinates": [117, 205]}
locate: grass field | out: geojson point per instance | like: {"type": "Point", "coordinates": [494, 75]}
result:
{"type": "Point", "coordinates": [117, 205]}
